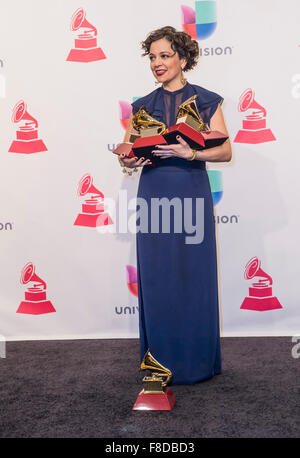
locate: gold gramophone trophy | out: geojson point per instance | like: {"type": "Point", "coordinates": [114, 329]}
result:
{"type": "Point", "coordinates": [191, 127]}
{"type": "Point", "coordinates": [147, 133]}
{"type": "Point", "coordinates": [150, 133]}
{"type": "Point", "coordinates": [189, 114]}
{"type": "Point", "coordinates": [155, 395]}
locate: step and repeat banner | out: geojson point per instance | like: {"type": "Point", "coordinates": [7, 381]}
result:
{"type": "Point", "coordinates": [69, 72]}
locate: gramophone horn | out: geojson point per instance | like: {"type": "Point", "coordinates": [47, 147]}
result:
{"type": "Point", "coordinates": [247, 101]}
{"type": "Point", "coordinates": [253, 269]}
{"type": "Point", "coordinates": [86, 186]}
{"type": "Point", "coordinates": [149, 362]}
{"type": "Point", "coordinates": [20, 112]}
{"type": "Point", "coordinates": [78, 20]}
{"type": "Point", "coordinates": [28, 274]}
{"type": "Point", "coordinates": [144, 120]}
{"type": "Point", "coordinates": [189, 107]}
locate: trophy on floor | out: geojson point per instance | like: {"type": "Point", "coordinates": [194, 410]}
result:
{"type": "Point", "coordinates": [260, 292]}
{"type": "Point", "coordinates": [191, 127]}
{"type": "Point", "coordinates": [155, 395]}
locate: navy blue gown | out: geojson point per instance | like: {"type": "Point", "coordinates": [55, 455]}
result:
{"type": "Point", "coordinates": [177, 281]}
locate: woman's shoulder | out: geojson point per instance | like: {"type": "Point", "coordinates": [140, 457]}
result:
{"type": "Point", "coordinates": [205, 96]}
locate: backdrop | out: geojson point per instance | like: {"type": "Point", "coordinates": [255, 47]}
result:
{"type": "Point", "coordinates": [68, 73]}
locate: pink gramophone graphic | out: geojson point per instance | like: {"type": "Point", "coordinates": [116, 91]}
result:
{"type": "Point", "coordinates": [35, 297]}
{"type": "Point", "coordinates": [93, 214]}
{"type": "Point", "coordinates": [27, 141]}
{"type": "Point", "coordinates": [86, 49]}
{"type": "Point", "coordinates": [132, 280]}
{"type": "Point", "coordinates": [254, 125]}
{"type": "Point", "coordinates": [260, 292]}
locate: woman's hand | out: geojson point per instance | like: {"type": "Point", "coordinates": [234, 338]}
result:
{"type": "Point", "coordinates": [180, 149]}
{"type": "Point", "coordinates": [133, 162]}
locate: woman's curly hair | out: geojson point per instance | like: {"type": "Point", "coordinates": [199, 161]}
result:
{"type": "Point", "coordinates": [181, 42]}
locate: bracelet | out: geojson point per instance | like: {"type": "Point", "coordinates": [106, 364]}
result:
{"type": "Point", "coordinates": [125, 169]}
{"type": "Point", "coordinates": [194, 152]}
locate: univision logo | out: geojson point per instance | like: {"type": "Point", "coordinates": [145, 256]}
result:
{"type": "Point", "coordinates": [125, 110]}
{"type": "Point", "coordinates": [200, 22]}
{"type": "Point", "coordinates": [6, 226]}
{"type": "Point", "coordinates": [127, 310]}
{"type": "Point", "coordinates": [216, 186]}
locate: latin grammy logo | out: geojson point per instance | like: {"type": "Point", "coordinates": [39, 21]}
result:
{"type": "Point", "coordinates": [260, 292]}
{"type": "Point", "coordinates": [93, 214]}
{"type": "Point", "coordinates": [27, 141]}
{"type": "Point", "coordinates": [86, 49]}
{"type": "Point", "coordinates": [35, 297]}
{"type": "Point", "coordinates": [254, 125]}
{"type": "Point", "coordinates": [132, 280]}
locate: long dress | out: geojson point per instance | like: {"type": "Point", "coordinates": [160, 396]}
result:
{"type": "Point", "coordinates": [177, 281]}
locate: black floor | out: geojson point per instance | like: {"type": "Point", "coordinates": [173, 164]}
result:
{"type": "Point", "coordinates": [87, 388]}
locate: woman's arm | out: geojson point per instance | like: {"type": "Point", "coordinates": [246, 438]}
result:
{"type": "Point", "coordinates": [220, 153]}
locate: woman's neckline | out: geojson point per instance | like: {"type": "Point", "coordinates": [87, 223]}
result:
{"type": "Point", "coordinates": [174, 92]}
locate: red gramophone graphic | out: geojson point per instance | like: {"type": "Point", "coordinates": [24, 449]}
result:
{"type": "Point", "coordinates": [35, 297]}
{"type": "Point", "coordinates": [86, 49]}
{"type": "Point", "coordinates": [254, 125]}
{"type": "Point", "coordinates": [27, 134]}
{"type": "Point", "coordinates": [260, 292]}
{"type": "Point", "coordinates": [93, 214]}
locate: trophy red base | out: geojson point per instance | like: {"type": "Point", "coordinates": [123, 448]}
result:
{"type": "Point", "coordinates": [86, 55]}
{"type": "Point", "coordinates": [196, 140]}
{"type": "Point", "coordinates": [191, 136]}
{"type": "Point", "coordinates": [159, 401]}
{"type": "Point", "coordinates": [124, 148]}
{"type": "Point", "coordinates": [143, 146]}
{"type": "Point", "coordinates": [27, 147]}
{"type": "Point", "coordinates": [254, 136]}
{"type": "Point", "coordinates": [35, 308]}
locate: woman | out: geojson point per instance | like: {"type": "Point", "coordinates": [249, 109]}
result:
{"type": "Point", "coordinates": [177, 281]}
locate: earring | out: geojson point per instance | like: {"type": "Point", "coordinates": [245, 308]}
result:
{"type": "Point", "coordinates": [183, 79]}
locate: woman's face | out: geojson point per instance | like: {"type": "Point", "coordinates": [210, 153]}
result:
{"type": "Point", "coordinates": [165, 63]}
